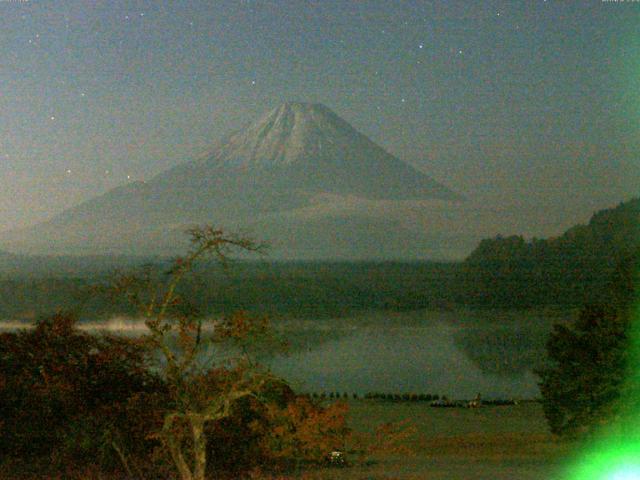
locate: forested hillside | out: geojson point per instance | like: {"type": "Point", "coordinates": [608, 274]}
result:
{"type": "Point", "coordinates": [581, 266]}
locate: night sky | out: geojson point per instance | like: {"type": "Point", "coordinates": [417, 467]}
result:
{"type": "Point", "coordinates": [529, 103]}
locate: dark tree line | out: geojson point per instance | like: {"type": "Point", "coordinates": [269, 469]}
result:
{"type": "Point", "coordinates": [297, 289]}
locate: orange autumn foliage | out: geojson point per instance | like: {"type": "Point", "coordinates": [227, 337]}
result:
{"type": "Point", "coordinates": [304, 430]}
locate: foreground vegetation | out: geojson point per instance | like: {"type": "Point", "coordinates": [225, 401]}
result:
{"type": "Point", "coordinates": [501, 443]}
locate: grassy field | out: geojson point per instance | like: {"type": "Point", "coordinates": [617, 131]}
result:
{"type": "Point", "coordinates": [493, 443]}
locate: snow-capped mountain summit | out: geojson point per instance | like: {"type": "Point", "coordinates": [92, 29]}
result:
{"type": "Point", "coordinates": [291, 133]}
{"type": "Point", "coordinates": [304, 148]}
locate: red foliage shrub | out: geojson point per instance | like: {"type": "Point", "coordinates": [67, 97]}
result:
{"type": "Point", "coordinates": [303, 431]}
{"type": "Point", "coordinates": [68, 396]}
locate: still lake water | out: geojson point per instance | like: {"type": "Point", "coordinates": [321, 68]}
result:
{"type": "Point", "coordinates": [458, 354]}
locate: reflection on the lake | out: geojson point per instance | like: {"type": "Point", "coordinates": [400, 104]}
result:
{"type": "Point", "coordinates": [458, 354]}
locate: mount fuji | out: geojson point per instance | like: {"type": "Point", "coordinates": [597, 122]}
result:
{"type": "Point", "coordinates": [300, 176]}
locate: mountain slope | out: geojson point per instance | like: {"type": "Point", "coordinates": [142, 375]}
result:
{"type": "Point", "coordinates": [308, 148]}
{"type": "Point", "coordinates": [588, 263]}
{"type": "Point", "coordinates": [286, 160]}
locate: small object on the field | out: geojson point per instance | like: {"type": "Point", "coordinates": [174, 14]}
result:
{"type": "Point", "coordinates": [475, 403]}
{"type": "Point", "coordinates": [337, 458]}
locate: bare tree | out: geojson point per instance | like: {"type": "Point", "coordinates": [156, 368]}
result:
{"type": "Point", "coordinates": [181, 337]}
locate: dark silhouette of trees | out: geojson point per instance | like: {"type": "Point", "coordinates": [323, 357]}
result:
{"type": "Point", "coordinates": [573, 269]}
{"type": "Point", "coordinates": [66, 395]}
{"type": "Point", "coordinates": [588, 379]}
{"type": "Point", "coordinates": [588, 362]}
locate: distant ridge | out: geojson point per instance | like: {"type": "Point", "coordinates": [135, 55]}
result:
{"type": "Point", "coordinates": [589, 263]}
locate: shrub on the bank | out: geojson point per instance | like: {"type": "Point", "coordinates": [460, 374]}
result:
{"type": "Point", "coordinates": [74, 397]}
{"type": "Point", "coordinates": [581, 385]}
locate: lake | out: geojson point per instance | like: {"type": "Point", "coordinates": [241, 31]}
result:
{"type": "Point", "coordinates": [458, 354]}
{"type": "Point", "coordinates": [453, 353]}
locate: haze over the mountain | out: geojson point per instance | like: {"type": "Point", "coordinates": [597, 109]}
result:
{"type": "Point", "coordinates": [297, 159]}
